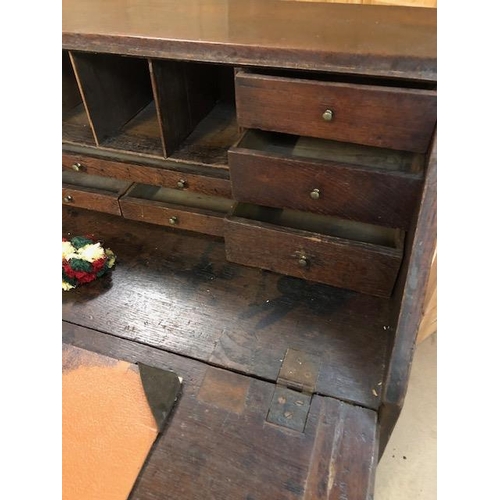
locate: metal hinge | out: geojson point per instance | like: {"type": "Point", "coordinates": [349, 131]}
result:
{"type": "Point", "coordinates": [293, 392]}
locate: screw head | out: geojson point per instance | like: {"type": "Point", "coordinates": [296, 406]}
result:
{"type": "Point", "coordinates": [314, 194]}
{"type": "Point", "coordinates": [328, 115]}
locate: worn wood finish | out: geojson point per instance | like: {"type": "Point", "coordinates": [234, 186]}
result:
{"type": "Point", "coordinates": [93, 193]}
{"type": "Point", "coordinates": [70, 93]}
{"type": "Point", "coordinates": [219, 433]}
{"type": "Point", "coordinates": [75, 123]}
{"type": "Point", "coordinates": [185, 93]}
{"type": "Point", "coordinates": [210, 140]}
{"type": "Point", "coordinates": [175, 290]}
{"type": "Point", "coordinates": [279, 180]}
{"type": "Point", "coordinates": [76, 128]}
{"type": "Point", "coordinates": [349, 264]}
{"type": "Point", "coordinates": [140, 135]}
{"type": "Point", "coordinates": [148, 174]}
{"type": "Point", "coordinates": [395, 42]}
{"type": "Point", "coordinates": [115, 90]}
{"type": "Point", "coordinates": [410, 302]}
{"type": "Point", "coordinates": [385, 117]}
{"type": "Point", "coordinates": [176, 209]}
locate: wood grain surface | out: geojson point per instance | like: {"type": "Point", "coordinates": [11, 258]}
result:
{"type": "Point", "coordinates": [357, 39]}
{"type": "Point", "coordinates": [219, 443]}
{"type": "Point", "coordinates": [176, 291]}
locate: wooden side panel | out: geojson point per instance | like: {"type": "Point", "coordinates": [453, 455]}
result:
{"type": "Point", "coordinates": [377, 197]}
{"type": "Point", "coordinates": [220, 445]}
{"type": "Point", "coordinates": [115, 89]}
{"type": "Point", "coordinates": [363, 268]}
{"type": "Point", "coordinates": [428, 325]}
{"type": "Point", "coordinates": [409, 303]}
{"type": "Point", "coordinates": [376, 116]}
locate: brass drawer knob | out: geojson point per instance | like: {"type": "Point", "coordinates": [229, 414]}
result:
{"type": "Point", "coordinates": [173, 220]}
{"type": "Point", "coordinates": [181, 184]}
{"type": "Point", "coordinates": [314, 194]}
{"type": "Point", "coordinates": [303, 261]}
{"type": "Point", "coordinates": [68, 198]}
{"type": "Point", "coordinates": [77, 167]}
{"type": "Point", "coordinates": [328, 115]}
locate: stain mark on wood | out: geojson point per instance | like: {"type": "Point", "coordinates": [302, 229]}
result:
{"type": "Point", "coordinates": [225, 390]}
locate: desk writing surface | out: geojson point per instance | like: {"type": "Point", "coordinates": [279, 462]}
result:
{"type": "Point", "coordinates": [358, 39]}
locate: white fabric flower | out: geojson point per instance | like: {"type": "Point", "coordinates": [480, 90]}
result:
{"type": "Point", "coordinates": [91, 253]}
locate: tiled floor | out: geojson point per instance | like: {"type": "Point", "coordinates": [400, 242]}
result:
{"type": "Point", "coordinates": [407, 470]}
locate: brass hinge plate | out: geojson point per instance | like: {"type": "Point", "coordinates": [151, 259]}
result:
{"type": "Point", "coordinates": [293, 392]}
{"type": "Point", "coordinates": [289, 408]}
{"type": "Point", "coordinates": [299, 371]}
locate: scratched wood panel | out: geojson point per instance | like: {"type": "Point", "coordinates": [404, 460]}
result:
{"type": "Point", "coordinates": [220, 445]}
{"type": "Point", "coordinates": [175, 290]}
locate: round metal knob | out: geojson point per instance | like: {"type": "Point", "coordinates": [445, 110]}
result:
{"type": "Point", "coordinates": [303, 262]}
{"type": "Point", "coordinates": [328, 115]}
{"type": "Point", "coordinates": [181, 184]}
{"type": "Point", "coordinates": [173, 220]}
{"type": "Point", "coordinates": [314, 194]}
{"type": "Point", "coordinates": [77, 167]}
{"type": "Point", "coordinates": [68, 199]}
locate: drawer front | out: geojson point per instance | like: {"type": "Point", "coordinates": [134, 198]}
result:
{"type": "Point", "coordinates": [376, 196]}
{"type": "Point", "coordinates": [201, 221]}
{"type": "Point", "coordinates": [147, 174]}
{"type": "Point", "coordinates": [80, 197]}
{"type": "Point", "coordinates": [386, 117]}
{"type": "Point", "coordinates": [356, 266]}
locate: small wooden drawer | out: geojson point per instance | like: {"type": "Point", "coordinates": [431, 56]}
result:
{"type": "Point", "coordinates": [374, 185]}
{"type": "Point", "coordinates": [388, 117]}
{"type": "Point", "coordinates": [346, 254]}
{"type": "Point", "coordinates": [92, 192]}
{"type": "Point", "coordinates": [176, 209]}
{"type": "Point", "coordinates": [145, 173]}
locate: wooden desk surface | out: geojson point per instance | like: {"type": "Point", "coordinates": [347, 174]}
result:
{"type": "Point", "coordinates": [399, 42]}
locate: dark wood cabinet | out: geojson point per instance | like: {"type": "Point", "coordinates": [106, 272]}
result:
{"type": "Point", "coordinates": [266, 177]}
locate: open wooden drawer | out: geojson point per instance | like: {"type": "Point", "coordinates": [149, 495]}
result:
{"type": "Point", "coordinates": [305, 104]}
{"type": "Point", "coordinates": [152, 172]}
{"type": "Point", "coordinates": [374, 185]}
{"type": "Point", "coordinates": [92, 192]}
{"type": "Point", "coordinates": [346, 254]}
{"type": "Point", "coordinates": [174, 208]}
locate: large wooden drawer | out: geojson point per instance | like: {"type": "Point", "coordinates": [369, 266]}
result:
{"type": "Point", "coordinates": [388, 117]}
{"type": "Point", "coordinates": [363, 183]}
{"type": "Point", "coordinates": [92, 192]}
{"type": "Point", "coordinates": [329, 250]}
{"type": "Point", "coordinates": [176, 209]}
{"type": "Point", "coordinates": [143, 173]}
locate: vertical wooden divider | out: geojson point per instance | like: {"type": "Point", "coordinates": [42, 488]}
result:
{"type": "Point", "coordinates": [157, 106]}
{"type": "Point", "coordinates": [82, 94]}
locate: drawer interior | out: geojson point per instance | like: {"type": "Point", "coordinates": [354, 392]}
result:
{"type": "Point", "coordinates": [335, 151]}
{"type": "Point", "coordinates": [94, 182]}
{"type": "Point", "coordinates": [322, 224]}
{"type": "Point", "coordinates": [179, 197]}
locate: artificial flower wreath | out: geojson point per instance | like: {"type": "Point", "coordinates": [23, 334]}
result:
{"type": "Point", "coordinates": [84, 260]}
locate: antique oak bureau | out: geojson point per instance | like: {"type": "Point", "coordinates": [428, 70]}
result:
{"type": "Point", "coordinates": [265, 172]}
